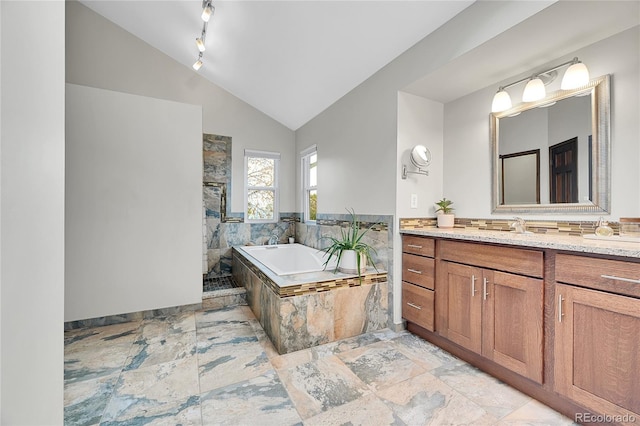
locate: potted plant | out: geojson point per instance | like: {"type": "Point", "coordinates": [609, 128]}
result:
{"type": "Point", "coordinates": [445, 213]}
{"type": "Point", "coordinates": [350, 251]}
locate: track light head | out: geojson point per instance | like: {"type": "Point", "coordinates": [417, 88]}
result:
{"type": "Point", "coordinates": [200, 44]}
{"type": "Point", "coordinates": [198, 63]}
{"type": "Point", "coordinates": [207, 11]}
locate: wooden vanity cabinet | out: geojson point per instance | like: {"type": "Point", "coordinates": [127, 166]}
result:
{"type": "Point", "coordinates": [506, 309]}
{"type": "Point", "coordinates": [418, 278]}
{"type": "Point", "coordinates": [491, 312]}
{"type": "Point", "coordinates": [597, 334]}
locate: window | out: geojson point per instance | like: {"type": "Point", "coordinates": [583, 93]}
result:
{"type": "Point", "coordinates": [310, 183]}
{"type": "Point", "coordinates": [261, 186]}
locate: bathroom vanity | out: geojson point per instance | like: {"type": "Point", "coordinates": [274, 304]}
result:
{"type": "Point", "coordinates": [557, 317]}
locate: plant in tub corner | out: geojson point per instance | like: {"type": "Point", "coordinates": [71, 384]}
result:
{"type": "Point", "coordinates": [351, 252]}
{"type": "Point", "coordinates": [445, 213]}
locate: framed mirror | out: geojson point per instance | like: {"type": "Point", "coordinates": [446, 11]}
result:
{"type": "Point", "coordinates": [570, 131]}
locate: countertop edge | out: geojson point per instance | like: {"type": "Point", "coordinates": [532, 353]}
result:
{"type": "Point", "coordinates": [539, 241]}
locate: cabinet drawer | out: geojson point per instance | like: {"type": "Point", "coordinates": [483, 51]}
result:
{"type": "Point", "coordinates": [418, 270]}
{"type": "Point", "coordinates": [507, 259]}
{"type": "Point", "coordinates": [616, 276]}
{"type": "Point", "coordinates": [417, 305]}
{"type": "Point", "coordinates": [418, 245]}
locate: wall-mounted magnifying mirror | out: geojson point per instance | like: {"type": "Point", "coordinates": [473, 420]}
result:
{"type": "Point", "coordinates": [420, 157]}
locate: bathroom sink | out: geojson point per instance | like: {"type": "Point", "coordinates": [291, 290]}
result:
{"type": "Point", "coordinates": [612, 238]}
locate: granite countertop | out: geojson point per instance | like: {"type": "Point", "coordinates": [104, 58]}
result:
{"type": "Point", "coordinates": [548, 241]}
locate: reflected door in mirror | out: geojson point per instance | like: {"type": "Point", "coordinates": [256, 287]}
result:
{"type": "Point", "coordinates": [564, 172]}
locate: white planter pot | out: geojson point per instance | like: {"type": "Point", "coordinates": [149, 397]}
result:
{"type": "Point", "coordinates": [445, 220]}
{"type": "Point", "coordinates": [348, 262]}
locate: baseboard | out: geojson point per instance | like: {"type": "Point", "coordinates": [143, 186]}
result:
{"type": "Point", "coordinates": [131, 316]}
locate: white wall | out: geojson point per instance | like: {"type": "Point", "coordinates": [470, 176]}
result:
{"type": "Point", "coordinates": [419, 123]}
{"type": "Point", "coordinates": [103, 55]}
{"type": "Point", "coordinates": [133, 203]}
{"type": "Point", "coordinates": [356, 136]}
{"type": "Point", "coordinates": [467, 154]}
{"type": "Point", "coordinates": [32, 211]}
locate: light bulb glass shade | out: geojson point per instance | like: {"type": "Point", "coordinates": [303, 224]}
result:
{"type": "Point", "coordinates": [197, 64]}
{"type": "Point", "coordinates": [575, 76]}
{"type": "Point", "coordinates": [534, 90]}
{"type": "Point", "coordinates": [207, 12]}
{"type": "Point", "coordinates": [200, 44]}
{"type": "Point", "coordinates": [501, 101]}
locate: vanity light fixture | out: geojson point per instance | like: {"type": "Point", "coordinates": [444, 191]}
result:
{"type": "Point", "coordinates": [575, 76]}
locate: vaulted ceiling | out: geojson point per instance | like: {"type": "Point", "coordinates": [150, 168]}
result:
{"type": "Point", "coordinates": [289, 59]}
{"type": "Point", "coordinates": [292, 59]}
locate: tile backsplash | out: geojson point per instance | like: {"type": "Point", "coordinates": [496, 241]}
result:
{"type": "Point", "coordinates": [570, 227]}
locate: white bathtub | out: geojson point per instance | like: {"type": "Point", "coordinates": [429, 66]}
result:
{"type": "Point", "coordinates": [288, 259]}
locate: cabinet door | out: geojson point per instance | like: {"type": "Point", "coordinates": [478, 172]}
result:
{"type": "Point", "coordinates": [463, 310]}
{"type": "Point", "coordinates": [512, 322]}
{"type": "Point", "coordinates": [597, 350]}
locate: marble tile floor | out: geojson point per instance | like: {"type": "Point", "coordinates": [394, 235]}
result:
{"type": "Point", "coordinates": [217, 367]}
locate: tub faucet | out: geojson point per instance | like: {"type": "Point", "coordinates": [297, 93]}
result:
{"type": "Point", "coordinates": [520, 226]}
{"type": "Point", "coordinates": [273, 240]}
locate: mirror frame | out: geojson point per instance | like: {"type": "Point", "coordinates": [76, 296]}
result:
{"type": "Point", "coordinates": [599, 88]}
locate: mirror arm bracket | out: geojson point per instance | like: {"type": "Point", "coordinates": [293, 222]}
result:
{"type": "Point", "coordinates": [405, 172]}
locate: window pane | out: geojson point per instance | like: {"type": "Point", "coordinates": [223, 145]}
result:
{"type": "Point", "coordinates": [260, 171]}
{"type": "Point", "coordinates": [313, 204]}
{"type": "Point", "coordinates": [260, 205]}
{"type": "Point", "coordinates": [313, 175]}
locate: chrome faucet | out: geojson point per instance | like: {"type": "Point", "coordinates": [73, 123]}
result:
{"type": "Point", "coordinates": [273, 240]}
{"type": "Point", "coordinates": [520, 226]}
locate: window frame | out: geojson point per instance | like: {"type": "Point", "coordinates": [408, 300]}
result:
{"type": "Point", "coordinates": [249, 153]}
{"type": "Point", "coordinates": [305, 157]}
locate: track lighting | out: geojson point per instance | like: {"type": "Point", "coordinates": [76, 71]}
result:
{"type": "Point", "coordinates": [207, 11]}
{"type": "Point", "coordinates": [575, 76]}
{"type": "Point", "coordinates": [198, 63]}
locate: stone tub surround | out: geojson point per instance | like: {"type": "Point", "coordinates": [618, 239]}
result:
{"type": "Point", "coordinates": [545, 241]}
{"type": "Point", "coordinates": [335, 307]}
